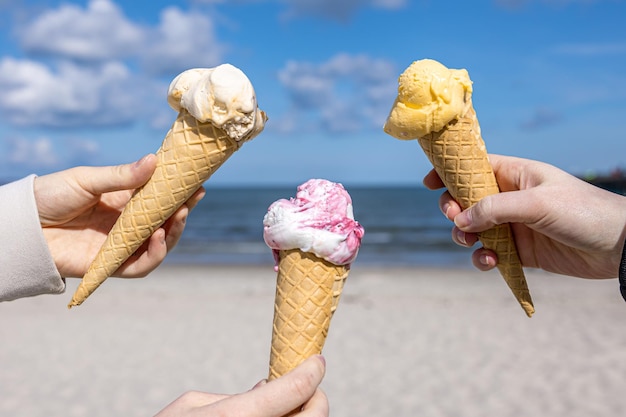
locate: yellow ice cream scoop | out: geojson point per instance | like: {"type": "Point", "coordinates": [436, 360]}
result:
{"type": "Point", "coordinates": [429, 97]}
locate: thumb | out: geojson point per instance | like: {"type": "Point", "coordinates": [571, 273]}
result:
{"type": "Point", "coordinates": [293, 389]}
{"type": "Point", "coordinates": [302, 382]}
{"type": "Point", "coordinates": [507, 207]}
{"type": "Point", "coordinates": [279, 396]}
{"type": "Point", "coordinates": [102, 180]}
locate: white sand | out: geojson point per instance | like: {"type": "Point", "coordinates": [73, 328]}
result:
{"type": "Point", "coordinates": [404, 342]}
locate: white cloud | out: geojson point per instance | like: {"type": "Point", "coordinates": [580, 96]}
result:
{"type": "Point", "coordinates": [99, 65]}
{"type": "Point", "coordinates": [83, 146]}
{"type": "Point", "coordinates": [38, 153]}
{"type": "Point", "coordinates": [346, 93]}
{"type": "Point", "coordinates": [99, 32]}
{"type": "Point", "coordinates": [79, 151]}
{"type": "Point", "coordinates": [182, 41]}
{"type": "Point", "coordinates": [45, 154]}
{"type": "Point", "coordinates": [73, 95]}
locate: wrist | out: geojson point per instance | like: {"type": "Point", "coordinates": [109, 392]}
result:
{"type": "Point", "coordinates": [40, 200]}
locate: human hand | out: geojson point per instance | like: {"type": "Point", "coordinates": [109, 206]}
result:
{"type": "Point", "coordinates": [298, 388]}
{"type": "Point", "coordinates": [78, 207]}
{"type": "Point", "coordinates": [561, 224]}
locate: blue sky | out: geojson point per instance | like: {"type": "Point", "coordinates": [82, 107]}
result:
{"type": "Point", "coordinates": [85, 82]}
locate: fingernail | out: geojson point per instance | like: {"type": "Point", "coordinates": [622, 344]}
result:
{"type": "Point", "coordinates": [460, 235]}
{"type": "Point", "coordinates": [445, 209]}
{"type": "Point", "coordinates": [141, 161]}
{"type": "Point", "coordinates": [483, 260]}
{"type": "Point", "coordinates": [322, 359]}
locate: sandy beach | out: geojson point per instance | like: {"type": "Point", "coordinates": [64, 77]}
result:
{"type": "Point", "coordinates": [404, 342]}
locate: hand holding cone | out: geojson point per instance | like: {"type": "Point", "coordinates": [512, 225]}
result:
{"type": "Point", "coordinates": [193, 149]}
{"type": "Point", "coordinates": [434, 106]}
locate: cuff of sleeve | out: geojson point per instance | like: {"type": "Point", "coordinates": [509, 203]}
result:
{"type": "Point", "coordinates": [622, 273]}
{"type": "Point", "coordinates": [27, 267]}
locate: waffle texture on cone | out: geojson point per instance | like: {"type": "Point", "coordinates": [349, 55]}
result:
{"type": "Point", "coordinates": [193, 149]}
{"type": "Point", "coordinates": [308, 290]}
{"type": "Point", "coordinates": [456, 151]}
{"type": "Point", "coordinates": [314, 239]}
{"type": "Point", "coordinates": [189, 155]}
{"type": "Point", "coordinates": [459, 156]}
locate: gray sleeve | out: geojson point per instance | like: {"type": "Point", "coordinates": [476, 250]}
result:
{"type": "Point", "coordinates": [26, 265]}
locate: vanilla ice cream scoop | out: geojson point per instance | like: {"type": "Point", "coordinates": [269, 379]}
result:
{"type": "Point", "coordinates": [429, 97]}
{"type": "Point", "coordinates": [319, 220]}
{"type": "Point", "coordinates": [222, 95]}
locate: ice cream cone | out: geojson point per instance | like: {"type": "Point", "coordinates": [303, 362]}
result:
{"type": "Point", "coordinates": [434, 106]}
{"type": "Point", "coordinates": [458, 154]}
{"type": "Point", "coordinates": [191, 152]}
{"type": "Point", "coordinates": [308, 290]}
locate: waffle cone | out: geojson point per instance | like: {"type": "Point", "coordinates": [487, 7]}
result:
{"type": "Point", "coordinates": [307, 294]}
{"type": "Point", "coordinates": [190, 153]}
{"type": "Point", "coordinates": [458, 154]}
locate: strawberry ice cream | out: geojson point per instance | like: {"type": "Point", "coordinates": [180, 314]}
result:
{"type": "Point", "coordinates": [318, 220]}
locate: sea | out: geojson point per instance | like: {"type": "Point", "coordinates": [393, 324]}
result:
{"type": "Point", "coordinates": [403, 227]}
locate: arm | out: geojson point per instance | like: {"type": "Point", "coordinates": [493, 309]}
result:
{"type": "Point", "coordinates": [561, 223]}
{"type": "Point", "coordinates": [296, 390]}
{"type": "Point", "coordinates": [26, 266]}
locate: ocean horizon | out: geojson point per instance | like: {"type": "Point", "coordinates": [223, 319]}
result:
{"type": "Point", "coordinates": [403, 227]}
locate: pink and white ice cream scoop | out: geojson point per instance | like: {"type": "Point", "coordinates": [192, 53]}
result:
{"type": "Point", "coordinates": [319, 220]}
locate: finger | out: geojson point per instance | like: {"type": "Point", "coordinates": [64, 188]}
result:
{"type": "Point", "coordinates": [189, 401]}
{"type": "Point", "coordinates": [462, 238]}
{"type": "Point", "coordinates": [484, 259]}
{"type": "Point", "coordinates": [316, 406]}
{"type": "Point", "coordinates": [508, 207]}
{"type": "Point", "coordinates": [298, 385]}
{"type": "Point", "coordinates": [193, 399]}
{"type": "Point", "coordinates": [145, 259]}
{"type": "Point", "coordinates": [280, 396]}
{"type": "Point", "coordinates": [508, 171]}
{"type": "Point", "coordinates": [195, 198]}
{"type": "Point", "coordinates": [448, 206]}
{"type": "Point", "coordinates": [174, 227]}
{"type": "Point", "coordinates": [432, 181]}
{"type": "Point", "coordinates": [100, 180]}
{"type": "Point", "coordinates": [152, 252]}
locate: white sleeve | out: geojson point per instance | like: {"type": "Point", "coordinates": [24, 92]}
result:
{"type": "Point", "coordinates": [26, 265]}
